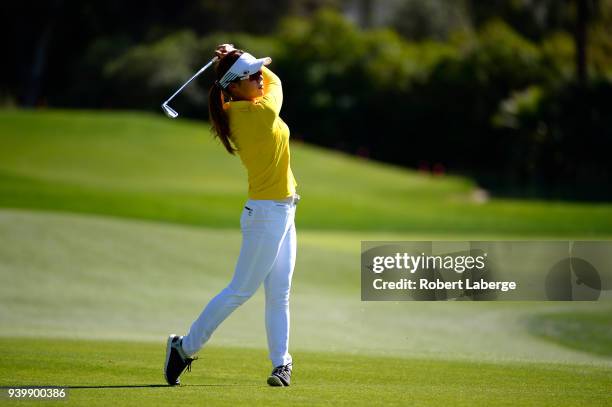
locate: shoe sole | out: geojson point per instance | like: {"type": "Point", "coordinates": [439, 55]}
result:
{"type": "Point", "coordinates": [168, 351]}
{"type": "Point", "coordinates": [275, 381]}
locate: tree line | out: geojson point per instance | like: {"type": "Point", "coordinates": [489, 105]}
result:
{"type": "Point", "coordinates": [507, 97]}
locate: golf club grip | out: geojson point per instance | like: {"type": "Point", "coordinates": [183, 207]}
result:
{"type": "Point", "coordinates": [205, 67]}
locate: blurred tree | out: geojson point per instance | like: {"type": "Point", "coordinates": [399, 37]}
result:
{"type": "Point", "coordinates": [581, 38]}
{"type": "Point", "coordinates": [582, 20]}
{"type": "Point", "coordinates": [305, 8]}
{"type": "Point", "coordinates": [600, 41]}
{"type": "Point", "coordinates": [367, 11]}
{"type": "Point", "coordinates": [558, 139]}
{"type": "Point", "coordinates": [433, 19]}
{"type": "Point", "coordinates": [257, 17]}
{"type": "Point", "coordinates": [538, 18]}
{"type": "Point", "coordinates": [54, 44]}
{"type": "Point", "coordinates": [532, 18]}
{"type": "Point", "coordinates": [41, 49]}
{"type": "Point", "coordinates": [51, 39]}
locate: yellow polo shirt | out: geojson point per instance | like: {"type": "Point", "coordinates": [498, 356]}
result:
{"type": "Point", "coordinates": [262, 140]}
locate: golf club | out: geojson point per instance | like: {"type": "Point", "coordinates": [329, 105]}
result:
{"type": "Point", "coordinates": [170, 112]}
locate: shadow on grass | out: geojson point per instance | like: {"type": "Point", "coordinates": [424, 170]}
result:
{"type": "Point", "coordinates": [129, 386]}
{"type": "Point", "coordinates": [154, 385]}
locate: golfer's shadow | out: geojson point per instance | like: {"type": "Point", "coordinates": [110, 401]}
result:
{"type": "Point", "coordinates": [135, 386]}
{"type": "Point", "coordinates": [118, 386]}
{"type": "Point", "coordinates": [142, 386]}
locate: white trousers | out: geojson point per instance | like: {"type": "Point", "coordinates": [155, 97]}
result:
{"type": "Point", "coordinates": [267, 255]}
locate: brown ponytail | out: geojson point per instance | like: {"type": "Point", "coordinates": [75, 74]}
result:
{"type": "Point", "coordinates": [218, 116]}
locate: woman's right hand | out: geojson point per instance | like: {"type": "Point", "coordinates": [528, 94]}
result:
{"type": "Point", "coordinates": [223, 49]}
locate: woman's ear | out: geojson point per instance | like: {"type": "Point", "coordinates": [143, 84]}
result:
{"type": "Point", "coordinates": [231, 89]}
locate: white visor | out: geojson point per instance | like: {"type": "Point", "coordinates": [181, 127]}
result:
{"type": "Point", "coordinates": [244, 66]}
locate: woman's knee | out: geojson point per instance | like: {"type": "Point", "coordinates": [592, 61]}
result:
{"type": "Point", "coordinates": [237, 297]}
{"type": "Point", "coordinates": [280, 299]}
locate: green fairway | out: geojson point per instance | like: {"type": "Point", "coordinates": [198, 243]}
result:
{"type": "Point", "coordinates": [591, 332]}
{"type": "Point", "coordinates": [116, 229]}
{"type": "Point", "coordinates": [100, 373]}
{"type": "Point", "coordinates": [91, 277]}
{"type": "Point", "coordinates": [146, 166]}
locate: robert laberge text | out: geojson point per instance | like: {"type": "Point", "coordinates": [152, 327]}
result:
{"type": "Point", "coordinates": [425, 284]}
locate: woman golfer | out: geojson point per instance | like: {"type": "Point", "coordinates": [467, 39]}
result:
{"type": "Point", "coordinates": [249, 124]}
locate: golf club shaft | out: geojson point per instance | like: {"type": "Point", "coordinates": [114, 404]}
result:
{"type": "Point", "coordinates": [205, 67]}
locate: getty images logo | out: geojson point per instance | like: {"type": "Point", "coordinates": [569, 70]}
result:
{"type": "Point", "coordinates": [486, 270]}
